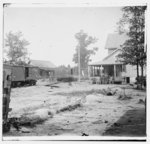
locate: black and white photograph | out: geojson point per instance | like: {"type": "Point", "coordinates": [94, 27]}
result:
{"type": "Point", "coordinates": [74, 71]}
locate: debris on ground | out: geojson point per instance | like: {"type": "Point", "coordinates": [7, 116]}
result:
{"type": "Point", "coordinates": [43, 113]}
{"type": "Point", "coordinates": [129, 120]}
{"type": "Point", "coordinates": [132, 84]}
{"type": "Point", "coordinates": [53, 86]}
{"type": "Point", "coordinates": [141, 101]}
{"type": "Point", "coordinates": [109, 92]}
{"type": "Point", "coordinates": [30, 119]}
{"type": "Point", "coordinates": [25, 130]}
{"type": "Point", "coordinates": [69, 108]}
{"type": "Point", "coordinates": [14, 121]}
{"type": "Point", "coordinates": [99, 101]}
{"type": "Point", "coordinates": [124, 97]}
{"type": "Point", "coordinates": [6, 126]}
{"type": "Point", "coordinates": [84, 134]}
{"type": "Point", "coordinates": [70, 84]}
{"type": "Point", "coordinates": [116, 124]}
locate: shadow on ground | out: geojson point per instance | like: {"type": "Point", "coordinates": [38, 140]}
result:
{"type": "Point", "coordinates": [132, 123]}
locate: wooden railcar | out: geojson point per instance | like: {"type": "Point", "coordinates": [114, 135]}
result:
{"type": "Point", "coordinates": [23, 75]}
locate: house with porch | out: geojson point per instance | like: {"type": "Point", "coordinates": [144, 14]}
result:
{"type": "Point", "coordinates": [110, 66]}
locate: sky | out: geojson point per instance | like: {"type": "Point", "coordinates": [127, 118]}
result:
{"type": "Point", "coordinates": [51, 30]}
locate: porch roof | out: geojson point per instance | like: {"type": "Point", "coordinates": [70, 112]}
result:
{"type": "Point", "coordinates": [105, 63]}
{"type": "Point", "coordinates": [111, 59]}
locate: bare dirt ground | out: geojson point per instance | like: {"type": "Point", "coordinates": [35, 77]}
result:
{"type": "Point", "coordinates": [78, 109]}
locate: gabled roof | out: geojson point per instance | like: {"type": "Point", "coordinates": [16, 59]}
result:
{"type": "Point", "coordinates": [42, 64]}
{"type": "Point", "coordinates": [110, 59]}
{"type": "Point", "coordinates": [114, 52]}
{"type": "Point", "coordinates": [115, 40]}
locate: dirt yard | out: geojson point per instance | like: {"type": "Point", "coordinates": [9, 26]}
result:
{"type": "Point", "coordinates": [78, 109]}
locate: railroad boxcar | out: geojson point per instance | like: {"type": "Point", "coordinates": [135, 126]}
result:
{"type": "Point", "coordinates": [31, 75]}
{"type": "Point", "coordinates": [18, 75]}
{"type": "Point", "coordinates": [23, 75]}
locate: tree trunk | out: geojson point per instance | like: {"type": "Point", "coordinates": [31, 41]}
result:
{"type": "Point", "coordinates": [137, 69]}
{"type": "Point", "coordinates": [138, 86]}
{"type": "Point", "coordinates": [141, 76]}
{"type": "Point", "coordinates": [142, 71]}
{"type": "Point", "coordinates": [142, 83]}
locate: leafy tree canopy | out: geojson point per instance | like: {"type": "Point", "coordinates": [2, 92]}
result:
{"type": "Point", "coordinates": [133, 24]}
{"type": "Point", "coordinates": [83, 42]}
{"type": "Point", "coordinates": [16, 47]}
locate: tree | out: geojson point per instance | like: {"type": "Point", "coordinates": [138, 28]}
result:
{"type": "Point", "coordinates": [83, 42]}
{"type": "Point", "coordinates": [133, 49]}
{"type": "Point", "coordinates": [16, 48]}
{"type": "Point", "coordinates": [63, 71]}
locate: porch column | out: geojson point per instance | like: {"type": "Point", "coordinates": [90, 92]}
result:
{"type": "Point", "coordinates": [114, 71]}
{"type": "Point", "coordinates": [92, 70]}
{"type": "Point", "coordinates": [96, 70]}
{"type": "Point", "coordinates": [89, 71]}
{"type": "Point", "coordinates": [101, 70]}
{"type": "Point", "coordinates": [121, 70]}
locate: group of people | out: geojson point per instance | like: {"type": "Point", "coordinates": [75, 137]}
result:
{"type": "Point", "coordinates": [103, 79]}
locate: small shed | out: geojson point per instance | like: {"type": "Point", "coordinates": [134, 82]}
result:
{"type": "Point", "coordinates": [46, 68]}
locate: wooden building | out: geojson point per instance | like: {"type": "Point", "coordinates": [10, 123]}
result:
{"type": "Point", "coordinates": [46, 68]}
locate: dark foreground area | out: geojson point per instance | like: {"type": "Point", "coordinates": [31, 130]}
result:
{"type": "Point", "coordinates": [132, 123]}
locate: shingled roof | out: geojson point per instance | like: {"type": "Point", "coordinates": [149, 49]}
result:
{"type": "Point", "coordinates": [42, 64]}
{"type": "Point", "coordinates": [115, 40]}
